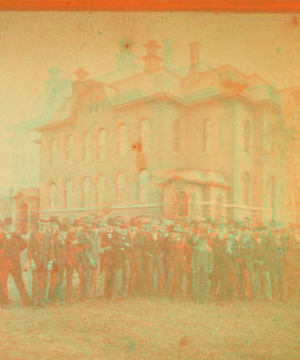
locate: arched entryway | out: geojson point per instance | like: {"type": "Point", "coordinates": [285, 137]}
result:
{"type": "Point", "coordinates": [180, 205]}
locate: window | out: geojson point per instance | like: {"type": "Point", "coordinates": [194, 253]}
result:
{"type": "Point", "coordinates": [53, 196]}
{"type": "Point", "coordinates": [145, 135]}
{"type": "Point", "coordinates": [144, 187]}
{"type": "Point", "coordinates": [102, 144]}
{"type": "Point", "coordinates": [246, 189]}
{"type": "Point", "coordinates": [86, 191]}
{"type": "Point", "coordinates": [87, 147]}
{"type": "Point", "coordinates": [54, 153]}
{"type": "Point", "coordinates": [247, 136]}
{"type": "Point", "coordinates": [100, 190]}
{"type": "Point", "coordinates": [206, 136]}
{"type": "Point", "coordinates": [122, 140]}
{"type": "Point", "coordinates": [176, 136]}
{"type": "Point", "coordinates": [70, 149]}
{"type": "Point", "coordinates": [120, 185]}
{"type": "Point", "coordinates": [68, 194]}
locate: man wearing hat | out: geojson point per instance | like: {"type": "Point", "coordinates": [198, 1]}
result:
{"type": "Point", "coordinates": [180, 262]}
{"type": "Point", "coordinates": [95, 240]}
{"type": "Point", "coordinates": [72, 261]}
{"type": "Point", "coordinates": [35, 258]}
{"type": "Point", "coordinates": [56, 292]}
{"type": "Point", "coordinates": [155, 249]}
{"type": "Point", "coordinates": [136, 241]}
{"type": "Point", "coordinates": [11, 244]}
{"type": "Point", "coordinates": [203, 264]}
{"type": "Point", "coordinates": [108, 239]}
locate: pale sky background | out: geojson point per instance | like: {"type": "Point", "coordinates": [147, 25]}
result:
{"type": "Point", "coordinates": [32, 42]}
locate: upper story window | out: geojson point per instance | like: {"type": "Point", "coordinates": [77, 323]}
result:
{"type": "Point", "coordinates": [247, 134]}
{"type": "Point", "coordinates": [176, 135]}
{"type": "Point", "coordinates": [86, 191]}
{"type": "Point", "coordinates": [53, 196]}
{"type": "Point", "coordinates": [206, 136]}
{"type": "Point", "coordinates": [68, 193]}
{"type": "Point", "coordinates": [101, 144]}
{"type": "Point", "coordinates": [122, 140]}
{"type": "Point", "coordinates": [145, 129]}
{"type": "Point", "coordinates": [144, 187]}
{"type": "Point", "coordinates": [70, 149]}
{"type": "Point", "coordinates": [100, 191]}
{"type": "Point", "coordinates": [246, 189]}
{"type": "Point", "coordinates": [120, 186]}
{"type": "Point", "coordinates": [87, 147]}
{"type": "Point", "coordinates": [53, 153]}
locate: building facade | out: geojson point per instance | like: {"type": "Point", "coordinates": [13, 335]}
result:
{"type": "Point", "coordinates": [192, 142]}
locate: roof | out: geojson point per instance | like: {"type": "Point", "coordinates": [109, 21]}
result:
{"type": "Point", "coordinates": [195, 176]}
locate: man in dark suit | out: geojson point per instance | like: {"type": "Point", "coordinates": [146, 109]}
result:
{"type": "Point", "coordinates": [203, 264]}
{"type": "Point", "coordinates": [180, 262]}
{"type": "Point", "coordinates": [59, 265]}
{"type": "Point", "coordinates": [136, 241]}
{"type": "Point", "coordinates": [35, 258]}
{"type": "Point", "coordinates": [11, 244]}
{"type": "Point", "coordinates": [155, 248]}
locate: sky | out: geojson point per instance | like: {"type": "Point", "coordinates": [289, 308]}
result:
{"type": "Point", "coordinates": [32, 42]}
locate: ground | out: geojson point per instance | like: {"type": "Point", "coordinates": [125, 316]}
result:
{"type": "Point", "coordinates": [151, 329]}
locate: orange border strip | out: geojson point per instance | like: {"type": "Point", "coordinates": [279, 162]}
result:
{"type": "Point", "coordinates": [239, 6]}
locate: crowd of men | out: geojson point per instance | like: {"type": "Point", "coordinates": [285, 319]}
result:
{"type": "Point", "coordinates": [208, 262]}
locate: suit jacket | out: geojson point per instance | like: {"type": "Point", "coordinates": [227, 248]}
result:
{"type": "Point", "coordinates": [59, 252]}
{"type": "Point", "coordinates": [34, 250]}
{"type": "Point", "coordinates": [47, 247]}
{"type": "Point", "coordinates": [155, 247]}
{"type": "Point", "coordinates": [181, 255]}
{"type": "Point", "coordinates": [11, 248]}
{"type": "Point", "coordinates": [95, 244]}
{"type": "Point", "coordinates": [203, 258]}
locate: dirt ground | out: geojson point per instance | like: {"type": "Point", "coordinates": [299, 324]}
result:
{"type": "Point", "coordinates": [151, 329]}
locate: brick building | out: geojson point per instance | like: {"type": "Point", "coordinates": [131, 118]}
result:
{"type": "Point", "coordinates": [150, 139]}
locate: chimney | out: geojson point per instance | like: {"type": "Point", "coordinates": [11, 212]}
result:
{"type": "Point", "coordinates": [81, 75]}
{"type": "Point", "coordinates": [194, 56]}
{"type": "Point", "coordinates": [168, 53]}
{"type": "Point", "coordinates": [152, 59]}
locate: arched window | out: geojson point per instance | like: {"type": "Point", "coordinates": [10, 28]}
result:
{"type": "Point", "coordinates": [70, 149]}
{"type": "Point", "coordinates": [144, 187]}
{"type": "Point", "coordinates": [86, 191]}
{"type": "Point", "coordinates": [54, 153]}
{"type": "Point", "coordinates": [87, 147]}
{"type": "Point", "coordinates": [120, 185]}
{"type": "Point", "coordinates": [68, 193]}
{"type": "Point", "coordinates": [176, 135]}
{"type": "Point", "coordinates": [247, 136]}
{"type": "Point", "coordinates": [145, 135]}
{"type": "Point", "coordinates": [122, 140]}
{"type": "Point", "coordinates": [246, 189]}
{"type": "Point", "coordinates": [100, 191]}
{"type": "Point", "coordinates": [102, 144]}
{"type": "Point", "coordinates": [53, 196]}
{"type": "Point", "coordinates": [206, 136]}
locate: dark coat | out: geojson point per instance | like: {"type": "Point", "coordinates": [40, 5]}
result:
{"type": "Point", "coordinates": [181, 256]}
{"type": "Point", "coordinates": [34, 250]}
{"type": "Point", "coordinates": [12, 247]}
